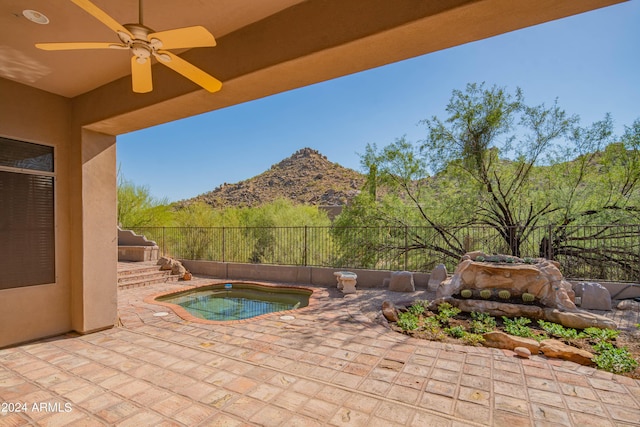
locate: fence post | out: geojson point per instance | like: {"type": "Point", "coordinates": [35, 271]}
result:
{"type": "Point", "coordinates": [304, 254]}
{"type": "Point", "coordinates": [406, 247]}
{"type": "Point", "coordinates": [164, 247]}
{"type": "Point", "coordinates": [223, 244]}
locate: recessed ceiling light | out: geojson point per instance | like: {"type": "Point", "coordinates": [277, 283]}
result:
{"type": "Point", "coordinates": [35, 16]}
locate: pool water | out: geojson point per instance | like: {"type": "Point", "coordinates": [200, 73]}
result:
{"type": "Point", "coordinates": [238, 301]}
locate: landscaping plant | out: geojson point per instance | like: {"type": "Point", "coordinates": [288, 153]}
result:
{"type": "Point", "coordinates": [613, 359]}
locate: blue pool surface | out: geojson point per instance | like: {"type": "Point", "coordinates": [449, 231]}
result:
{"type": "Point", "coordinates": [238, 301]}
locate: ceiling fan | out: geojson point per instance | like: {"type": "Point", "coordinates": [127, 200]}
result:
{"type": "Point", "coordinates": [145, 43]}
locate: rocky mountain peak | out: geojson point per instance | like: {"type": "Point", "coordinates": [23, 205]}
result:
{"type": "Point", "coordinates": [306, 177]}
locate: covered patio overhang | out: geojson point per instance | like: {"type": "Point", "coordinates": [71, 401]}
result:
{"type": "Point", "coordinates": [78, 102]}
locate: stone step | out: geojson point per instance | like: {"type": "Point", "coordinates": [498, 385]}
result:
{"type": "Point", "coordinates": [146, 281]}
{"type": "Point", "coordinates": [144, 275]}
{"type": "Point", "coordinates": [134, 275]}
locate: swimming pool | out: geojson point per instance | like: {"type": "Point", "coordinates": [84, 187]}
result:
{"type": "Point", "coordinates": [237, 301]}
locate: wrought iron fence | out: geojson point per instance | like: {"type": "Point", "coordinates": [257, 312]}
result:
{"type": "Point", "coordinates": [602, 252]}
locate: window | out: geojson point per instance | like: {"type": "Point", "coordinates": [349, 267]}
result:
{"type": "Point", "coordinates": [27, 233]}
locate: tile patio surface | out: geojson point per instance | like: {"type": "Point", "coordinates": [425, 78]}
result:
{"type": "Point", "coordinates": [329, 366]}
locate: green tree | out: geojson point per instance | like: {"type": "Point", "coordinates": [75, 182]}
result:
{"type": "Point", "coordinates": [495, 140]}
{"type": "Point", "coordinates": [507, 165]}
{"type": "Point", "coordinates": [137, 208]}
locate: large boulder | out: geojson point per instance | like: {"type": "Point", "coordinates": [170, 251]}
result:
{"type": "Point", "coordinates": [593, 296]}
{"type": "Point", "coordinates": [437, 276]}
{"type": "Point", "coordinates": [542, 279]}
{"type": "Point", "coordinates": [401, 281]}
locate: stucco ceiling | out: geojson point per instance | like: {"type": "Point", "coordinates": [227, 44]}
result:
{"type": "Point", "coordinates": [264, 47]}
{"type": "Point", "coordinates": [71, 73]}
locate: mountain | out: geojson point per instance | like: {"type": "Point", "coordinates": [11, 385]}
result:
{"type": "Point", "coordinates": [307, 177]}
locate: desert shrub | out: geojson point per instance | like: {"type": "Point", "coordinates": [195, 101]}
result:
{"type": "Point", "coordinates": [560, 331]}
{"type": "Point", "coordinates": [407, 321]}
{"type": "Point", "coordinates": [445, 312]}
{"type": "Point", "coordinates": [482, 322]}
{"type": "Point", "coordinates": [416, 309]}
{"type": "Point", "coordinates": [518, 327]}
{"type": "Point", "coordinates": [612, 359]}
{"type": "Point", "coordinates": [472, 339]}
{"type": "Point", "coordinates": [597, 335]}
{"type": "Point", "coordinates": [455, 331]}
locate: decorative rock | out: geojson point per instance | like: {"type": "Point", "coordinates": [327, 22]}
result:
{"type": "Point", "coordinates": [594, 296]}
{"type": "Point", "coordinates": [578, 319]}
{"type": "Point", "coordinates": [437, 276]}
{"type": "Point", "coordinates": [178, 269]}
{"type": "Point", "coordinates": [523, 352]}
{"type": "Point", "coordinates": [542, 279]}
{"type": "Point", "coordinates": [401, 281]}
{"type": "Point", "coordinates": [495, 308]}
{"type": "Point", "coordinates": [628, 304]}
{"type": "Point", "coordinates": [560, 350]}
{"type": "Point", "coordinates": [389, 311]}
{"type": "Point", "coordinates": [165, 263]}
{"type": "Point", "coordinates": [497, 339]}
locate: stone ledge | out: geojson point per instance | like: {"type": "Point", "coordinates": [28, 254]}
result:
{"type": "Point", "coordinates": [138, 253]}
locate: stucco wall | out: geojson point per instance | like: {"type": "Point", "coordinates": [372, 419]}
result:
{"type": "Point", "coordinates": [37, 311]}
{"type": "Point", "coordinates": [84, 295]}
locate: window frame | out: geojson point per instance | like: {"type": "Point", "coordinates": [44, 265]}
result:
{"type": "Point", "coordinates": [53, 175]}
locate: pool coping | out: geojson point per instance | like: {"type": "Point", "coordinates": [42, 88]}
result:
{"type": "Point", "coordinates": [316, 294]}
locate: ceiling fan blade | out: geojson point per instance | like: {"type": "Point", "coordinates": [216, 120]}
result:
{"type": "Point", "coordinates": [187, 37]}
{"type": "Point", "coordinates": [141, 75]}
{"type": "Point", "coordinates": [101, 16]}
{"type": "Point", "coordinates": [189, 71]}
{"type": "Point", "coordinates": [79, 45]}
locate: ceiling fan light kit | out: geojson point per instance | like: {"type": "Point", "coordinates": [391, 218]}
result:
{"type": "Point", "coordinates": [144, 43]}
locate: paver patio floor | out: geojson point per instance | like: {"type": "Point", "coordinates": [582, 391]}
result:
{"type": "Point", "coordinates": [329, 366]}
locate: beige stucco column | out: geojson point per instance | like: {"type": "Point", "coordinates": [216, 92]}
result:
{"type": "Point", "coordinates": [94, 251]}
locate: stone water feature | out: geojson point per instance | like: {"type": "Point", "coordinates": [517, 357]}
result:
{"type": "Point", "coordinates": [503, 285]}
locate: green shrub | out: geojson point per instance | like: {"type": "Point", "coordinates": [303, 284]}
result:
{"type": "Point", "coordinates": [560, 331]}
{"type": "Point", "coordinates": [416, 309]}
{"type": "Point", "coordinates": [612, 359]}
{"type": "Point", "coordinates": [480, 258]}
{"type": "Point", "coordinates": [445, 312]}
{"type": "Point", "coordinates": [598, 335]}
{"type": "Point", "coordinates": [407, 321]}
{"type": "Point", "coordinates": [456, 331]}
{"type": "Point", "coordinates": [472, 339]}
{"type": "Point", "coordinates": [482, 322]}
{"type": "Point", "coordinates": [518, 327]}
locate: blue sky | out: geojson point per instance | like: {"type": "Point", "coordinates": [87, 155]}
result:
{"type": "Point", "coordinates": [590, 62]}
